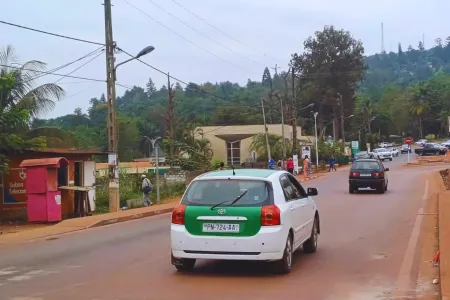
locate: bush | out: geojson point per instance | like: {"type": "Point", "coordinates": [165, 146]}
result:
{"type": "Point", "coordinates": [130, 188]}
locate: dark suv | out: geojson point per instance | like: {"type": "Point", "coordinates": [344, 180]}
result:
{"type": "Point", "coordinates": [368, 173]}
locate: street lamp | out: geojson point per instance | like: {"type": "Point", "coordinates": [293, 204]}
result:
{"type": "Point", "coordinates": [141, 53]}
{"type": "Point", "coordinates": [153, 142]}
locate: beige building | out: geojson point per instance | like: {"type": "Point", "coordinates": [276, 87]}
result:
{"type": "Point", "coordinates": [232, 143]}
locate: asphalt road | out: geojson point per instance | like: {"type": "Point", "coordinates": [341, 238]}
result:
{"type": "Point", "coordinates": [366, 251]}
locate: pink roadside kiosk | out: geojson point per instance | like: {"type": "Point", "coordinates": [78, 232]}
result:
{"type": "Point", "coordinates": [43, 196]}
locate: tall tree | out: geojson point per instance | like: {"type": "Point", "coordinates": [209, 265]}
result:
{"type": "Point", "coordinates": [150, 87]}
{"type": "Point", "coordinates": [267, 78]}
{"type": "Point", "coordinates": [332, 64]}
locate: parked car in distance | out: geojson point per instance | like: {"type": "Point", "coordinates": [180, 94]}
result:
{"type": "Point", "coordinates": [394, 152]}
{"type": "Point", "coordinates": [385, 145]}
{"type": "Point", "coordinates": [405, 148]}
{"type": "Point", "coordinates": [362, 155]}
{"type": "Point", "coordinates": [446, 144]}
{"type": "Point", "coordinates": [244, 214]}
{"type": "Point", "coordinates": [421, 142]}
{"type": "Point", "coordinates": [382, 154]}
{"type": "Point", "coordinates": [430, 149]}
{"type": "Point", "coordinates": [442, 149]}
{"type": "Point", "coordinates": [368, 173]}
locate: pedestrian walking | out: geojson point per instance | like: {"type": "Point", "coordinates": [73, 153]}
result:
{"type": "Point", "coordinates": [271, 163]}
{"type": "Point", "coordinates": [306, 166]}
{"type": "Point", "coordinates": [290, 166]}
{"type": "Point", "coordinates": [280, 164]}
{"type": "Point", "coordinates": [146, 189]}
{"type": "Point", "coordinates": [332, 164]}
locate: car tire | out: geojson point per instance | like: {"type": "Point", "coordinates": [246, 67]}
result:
{"type": "Point", "coordinates": [385, 187]}
{"type": "Point", "coordinates": [284, 266]}
{"type": "Point", "coordinates": [381, 189]}
{"type": "Point", "coordinates": [310, 246]}
{"type": "Point", "coordinates": [185, 264]}
{"type": "Point", "coordinates": [390, 159]}
{"type": "Point", "coordinates": [351, 190]}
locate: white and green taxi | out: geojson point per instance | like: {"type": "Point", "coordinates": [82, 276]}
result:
{"type": "Point", "coordinates": [244, 214]}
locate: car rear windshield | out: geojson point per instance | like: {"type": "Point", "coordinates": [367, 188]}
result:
{"type": "Point", "coordinates": [382, 150]}
{"type": "Point", "coordinates": [212, 192]}
{"type": "Point", "coordinates": [365, 165]}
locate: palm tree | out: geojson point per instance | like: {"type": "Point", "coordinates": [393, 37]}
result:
{"type": "Point", "coordinates": [275, 143]}
{"type": "Point", "coordinates": [24, 94]}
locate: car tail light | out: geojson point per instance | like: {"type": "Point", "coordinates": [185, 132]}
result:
{"type": "Point", "coordinates": [270, 215]}
{"type": "Point", "coordinates": [377, 174]}
{"type": "Point", "coordinates": [178, 214]}
{"type": "Point", "coordinates": [354, 174]}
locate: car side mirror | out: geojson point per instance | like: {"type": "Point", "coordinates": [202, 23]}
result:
{"type": "Point", "coordinates": [312, 192]}
{"type": "Point", "coordinates": [387, 169]}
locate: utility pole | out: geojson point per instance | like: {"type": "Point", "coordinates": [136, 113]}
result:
{"type": "Point", "coordinates": [113, 136]}
{"type": "Point", "coordinates": [315, 134]}
{"type": "Point", "coordinates": [266, 130]}
{"type": "Point", "coordinates": [282, 125]}
{"type": "Point", "coordinates": [275, 69]}
{"type": "Point", "coordinates": [341, 106]}
{"type": "Point", "coordinates": [294, 115]}
{"type": "Point", "coordinates": [169, 116]}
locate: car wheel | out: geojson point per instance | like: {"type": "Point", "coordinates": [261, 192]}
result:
{"type": "Point", "coordinates": [351, 190]}
{"type": "Point", "coordinates": [381, 189]}
{"type": "Point", "coordinates": [184, 264]}
{"type": "Point", "coordinates": [310, 246]}
{"type": "Point", "coordinates": [390, 159]}
{"type": "Point", "coordinates": [284, 266]}
{"type": "Point", "coordinates": [420, 153]}
{"type": "Point", "coordinates": [385, 187]}
{"type": "Point", "coordinates": [437, 153]}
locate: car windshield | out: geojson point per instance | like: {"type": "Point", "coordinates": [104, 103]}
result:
{"type": "Point", "coordinates": [215, 191]}
{"type": "Point", "coordinates": [365, 165]}
{"type": "Point", "coordinates": [363, 153]}
{"type": "Point", "coordinates": [381, 150]}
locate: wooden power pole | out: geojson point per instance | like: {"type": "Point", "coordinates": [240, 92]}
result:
{"type": "Point", "coordinates": [113, 136]}
{"type": "Point", "coordinates": [169, 117]}
{"type": "Point", "coordinates": [294, 116]}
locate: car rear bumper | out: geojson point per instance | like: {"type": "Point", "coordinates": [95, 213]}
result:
{"type": "Point", "coordinates": [372, 183]}
{"type": "Point", "coordinates": [267, 244]}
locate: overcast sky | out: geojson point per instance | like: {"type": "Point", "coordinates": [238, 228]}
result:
{"type": "Point", "coordinates": [268, 32]}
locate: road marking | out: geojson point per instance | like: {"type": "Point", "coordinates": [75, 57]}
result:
{"type": "Point", "coordinates": [403, 280]}
{"type": "Point", "coordinates": [8, 271]}
{"type": "Point", "coordinates": [29, 275]}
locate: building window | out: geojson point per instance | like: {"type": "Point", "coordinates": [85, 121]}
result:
{"type": "Point", "coordinates": [234, 153]}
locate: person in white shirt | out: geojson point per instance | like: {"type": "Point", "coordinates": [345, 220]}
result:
{"type": "Point", "coordinates": [146, 189]}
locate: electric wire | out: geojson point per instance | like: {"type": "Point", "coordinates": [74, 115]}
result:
{"type": "Point", "coordinates": [221, 31]}
{"type": "Point", "coordinates": [204, 35]}
{"type": "Point", "coordinates": [51, 33]}
{"type": "Point", "coordinates": [186, 39]}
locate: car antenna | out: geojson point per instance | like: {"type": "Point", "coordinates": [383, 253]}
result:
{"type": "Point", "coordinates": [234, 173]}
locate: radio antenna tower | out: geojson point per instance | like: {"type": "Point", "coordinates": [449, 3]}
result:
{"type": "Point", "coordinates": [382, 38]}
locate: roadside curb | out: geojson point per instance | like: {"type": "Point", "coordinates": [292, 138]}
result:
{"type": "Point", "coordinates": [131, 217]}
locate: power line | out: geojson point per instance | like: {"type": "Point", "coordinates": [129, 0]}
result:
{"type": "Point", "coordinates": [50, 33]}
{"type": "Point", "coordinates": [204, 35]}
{"type": "Point", "coordinates": [221, 31]}
{"type": "Point", "coordinates": [182, 81]}
{"type": "Point", "coordinates": [186, 39]}
{"type": "Point", "coordinates": [81, 66]}
{"type": "Point", "coordinates": [51, 73]}
{"type": "Point", "coordinates": [68, 64]}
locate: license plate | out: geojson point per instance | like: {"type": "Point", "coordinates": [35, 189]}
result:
{"type": "Point", "coordinates": [217, 227]}
{"type": "Point", "coordinates": [365, 175]}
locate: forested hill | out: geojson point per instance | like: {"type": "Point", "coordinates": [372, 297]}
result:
{"type": "Point", "coordinates": [406, 66]}
{"type": "Point", "coordinates": [141, 109]}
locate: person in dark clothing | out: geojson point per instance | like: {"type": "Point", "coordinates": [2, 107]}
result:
{"type": "Point", "coordinates": [332, 162]}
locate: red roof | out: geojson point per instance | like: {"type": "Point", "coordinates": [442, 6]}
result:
{"type": "Point", "coordinates": [54, 162]}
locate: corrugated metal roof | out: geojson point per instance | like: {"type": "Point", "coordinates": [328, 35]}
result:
{"type": "Point", "coordinates": [69, 151]}
{"type": "Point", "coordinates": [54, 162]}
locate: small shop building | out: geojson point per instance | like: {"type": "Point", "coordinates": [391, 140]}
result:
{"type": "Point", "coordinates": [48, 185]}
